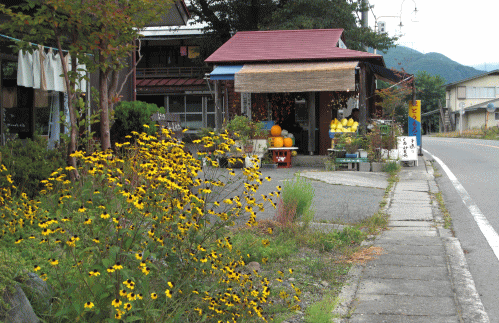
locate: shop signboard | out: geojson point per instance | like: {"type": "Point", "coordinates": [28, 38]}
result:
{"type": "Point", "coordinates": [415, 120]}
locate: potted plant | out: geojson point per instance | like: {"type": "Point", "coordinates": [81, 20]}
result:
{"type": "Point", "coordinates": [352, 144]}
{"type": "Point", "coordinates": [374, 144]}
{"type": "Point", "coordinates": [267, 161]}
{"type": "Point", "coordinates": [246, 132]}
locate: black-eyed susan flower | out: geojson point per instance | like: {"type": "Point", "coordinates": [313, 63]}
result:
{"type": "Point", "coordinates": [94, 272]}
{"type": "Point", "coordinates": [53, 262]}
{"type": "Point", "coordinates": [117, 266]}
{"type": "Point", "coordinates": [123, 292]}
{"type": "Point", "coordinates": [127, 306]}
{"type": "Point", "coordinates": [116, 302]}
{"type": "Point", "coordinates": [154, 295]}
{"type": "Point", "coordinates": [82, 209]}
{"type": "Point", "coordinates": [138, 256]}
{"type": "Point", "coordinates": [89, 305]}
{"type": "Point", "coordinates": [87, 221]}
{"type": "Point", "coordinates": [110, 270]}
{"type": "Point", "coordinates": [36, 268]}
{"type": "Point", "coordinates": [168, 293]}
{"type": "Point", "coordinates": [105, 215]}
{"type": "Point", "coordinates": [96, 240]}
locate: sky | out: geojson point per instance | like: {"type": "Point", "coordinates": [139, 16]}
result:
{"type": "Point", "coordinates": [466, 32]}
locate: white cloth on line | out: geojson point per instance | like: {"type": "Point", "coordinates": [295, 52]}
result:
{"type": "Point", "coordinates": [58, 73]}
{"type": "Point", "coordinates": [25, 69]}
{"type": "Point", "coordinates": [49, 70]}
{"type": "Point", "coordinates": [45, 72]}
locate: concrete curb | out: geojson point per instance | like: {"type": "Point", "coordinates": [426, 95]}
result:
{"type": "Point", "coordinates": [467, 298]}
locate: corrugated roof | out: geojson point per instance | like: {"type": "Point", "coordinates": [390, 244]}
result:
{"type": "Point", "coordinates": [286, 45]}
{"type": "Point", "coordinates": [169, 82]}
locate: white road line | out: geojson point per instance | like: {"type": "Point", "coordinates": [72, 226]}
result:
{"type": "Point", "coordinates": [483, 224]}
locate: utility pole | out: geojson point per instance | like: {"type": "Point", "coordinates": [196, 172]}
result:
{"type": "Point", "coordinates": [364, 16]}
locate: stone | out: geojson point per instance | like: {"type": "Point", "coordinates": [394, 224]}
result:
{"type": "Point", "coordinates": [38, 288]}
{"type": "Point", "coordinates": [20, 308]}
{"type": "Point", "coordinates": [253, 266]}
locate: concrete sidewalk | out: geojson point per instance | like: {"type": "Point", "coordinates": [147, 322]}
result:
{"type": "Point", "coordinates": [421, 275]}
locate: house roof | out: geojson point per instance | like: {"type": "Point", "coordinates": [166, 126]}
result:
{"type": "Point", "coordinates": [287, 45]}
{"type": "Point", "coordinates": [482, 105]}
{"type": "Point", "coordinates": [450, 85]}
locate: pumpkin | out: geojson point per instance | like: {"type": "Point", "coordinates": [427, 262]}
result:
{"type": "Point", "coordinates": [278, 142]}
{"type": "Point", "coordinates": [275, 131]}
{"type": "Point", "coordinates": [288, 142]}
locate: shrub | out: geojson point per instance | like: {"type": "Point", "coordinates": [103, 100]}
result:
{"type": "Point", "coordinates": [141, 236]}
{"type": "Point", "coordinates": [132, 116]}
{"type": "Point", "coordinates": [28, 161]}
{"type": "Point", "coordinates": [299, 192]}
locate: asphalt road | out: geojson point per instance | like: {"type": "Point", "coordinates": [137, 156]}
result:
{"type": "Point", "coordinates": [475, 164]}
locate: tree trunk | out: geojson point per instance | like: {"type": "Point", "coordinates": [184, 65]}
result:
{"type": "Point", "coordinates": [105, 134]}
{"type": "Point", "coordinates": [74, 174]}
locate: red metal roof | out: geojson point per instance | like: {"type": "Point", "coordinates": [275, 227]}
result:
{"type": "Point", "coordinates": [148, 83]}
{"type": "Point", "coordinates": [286, 45]}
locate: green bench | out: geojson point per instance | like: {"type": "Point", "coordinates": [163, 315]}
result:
{"type": "Point", "coordinates": [351, 162]}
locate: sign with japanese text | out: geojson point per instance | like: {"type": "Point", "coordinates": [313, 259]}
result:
{"type": "Point", "coordinates": [408, 148]}
{"type": "Point", "coordinates": [415, 120]}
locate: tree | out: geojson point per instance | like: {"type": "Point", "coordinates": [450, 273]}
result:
{"type": "Point", "coordinates": [224, 17]}
{"type": "Point", "coordinates": [98, 33]}
{"type": "Point", "coordinates": [430, 90]}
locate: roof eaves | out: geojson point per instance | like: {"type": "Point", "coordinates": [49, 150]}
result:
{"type": "Point", "coordinates": [482, 105]}
{"type": "Point", "coordinates": [450, 85]}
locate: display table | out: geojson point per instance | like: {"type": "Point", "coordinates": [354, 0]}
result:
{"type": "Point", "coordinates": [282, 156]}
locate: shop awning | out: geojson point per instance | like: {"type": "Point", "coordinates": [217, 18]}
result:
{"type": "Point", "coordinates": [387, 75]}
{"type": "Point", "coordinates": [225, 72]}
{"type": "Point", "coordinates": [296, 77]}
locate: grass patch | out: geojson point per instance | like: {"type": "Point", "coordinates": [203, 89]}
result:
{"type": "Point", "coordinates": [445, 212]}
{"type": "Point", "coordinates": [376, 223]}
{"type": "Point", "coordinates": [321, 312]}
{"type": "Point", "coordinates": [311, 266]}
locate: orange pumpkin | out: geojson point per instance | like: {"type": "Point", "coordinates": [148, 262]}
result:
{"type": "Point", "coordinates": [278, 142]}
{"type": "Point", "coordinates": [275, 131]}
{"type": "Point", "coordinates": [288, 142]}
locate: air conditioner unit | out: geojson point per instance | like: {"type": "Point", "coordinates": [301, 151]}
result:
{"type": "Point", "coordinates": [382, 27]}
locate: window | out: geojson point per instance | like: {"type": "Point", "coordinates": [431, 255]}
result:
{"type": "Point", "coordinates": [461, 92]}
{"type": "Point", "coordinates": [496, 117]}
{"type": "Point", "coordinates": [195, 111]}
{"type": "Point", "coordinates": [480, 92]}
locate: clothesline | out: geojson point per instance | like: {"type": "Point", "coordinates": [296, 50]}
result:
{"type": "Point", "coordinates": [17, 40]}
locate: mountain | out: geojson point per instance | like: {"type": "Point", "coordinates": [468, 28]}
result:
{"type": "Point", "coordinates": [412, 61]}
{"type": "Point", "coordinates": [487, 66]}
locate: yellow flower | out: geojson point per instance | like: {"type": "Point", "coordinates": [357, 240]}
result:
{"type": "Point", "coordinates": [36, 268]}
{"type": "Point", "coordinates": [89, 305]}
{"type": "Point", "coordinates": [127, 306]}
{"type": "Point", "coordinates": [154, 295]}
{"type": "Point", "coordinates": [94, 273]}
{"type": "Point", "coordinates": [116, 302]}
{"type": "Point", "coordinates": [168, 293]}
{"type": "Point", "coordinates": [53, 261]}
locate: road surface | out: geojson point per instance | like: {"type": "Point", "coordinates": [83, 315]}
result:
{"type": "Point", "coordinates": [472, 198]}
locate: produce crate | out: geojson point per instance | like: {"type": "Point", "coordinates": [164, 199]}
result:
{"type": "Point", "coordinates": [282, 158]}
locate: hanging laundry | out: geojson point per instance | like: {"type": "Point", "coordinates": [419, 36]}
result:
{"type": "Point", "coordinates": [25, 69]}
{"type": "Point", "coordinates": [59, 85]}
{"type": "Point", "coordinates": [39, 57]}
{"type": "Point", "coordinates": [49, 70]}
